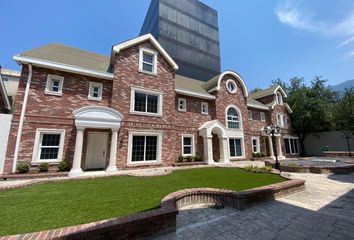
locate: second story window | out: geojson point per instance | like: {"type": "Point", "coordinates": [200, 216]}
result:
{"type": "Point", "coordinates": [204, 108]}
{"type": "Point", "coordinates": [279, 98]}
{"type": "Point", "coordinates": [233, 119]}
{"type": "Point", "coordinates": [250, 115]}
{"type": "Point", "coordinates": [146, 102]}
{"type": "Point", "coordinates": [262, 116]}
{"type": "Point", "coordinates": [95, 91]}
{"type": "Point", "coordinates": [54, 85]}
{"type": "Point", "coordinates": [147, 61]}
{"type": "Point", "coordinates": [182, 104]}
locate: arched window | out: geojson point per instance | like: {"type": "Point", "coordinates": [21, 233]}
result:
{"type": "Point", "coordinates": [233, 120]}
{"type": "Point", "coordinates": [279, 98]}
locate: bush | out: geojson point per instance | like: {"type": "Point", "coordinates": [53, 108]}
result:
{"type": "Point", "coordinates": [64, 166]}
{"type": "Point", "coordinates": [263, 154]}
{"type": "Point", "coordinates": [198, 158]}
{"type": "Point", "coordinates": [256, 169]}
{"type": "Point", "coordinates": [180, 158]}
{"type": "Point", "coordinates": [325, 148]}
{"type": "Point", "coordinates": [189, 159]}
{"type": "Point", "coordinates": [43, 167]}
{"type": "Point", "coordinates": [23, 167]}
{"type": "Point", "coordinates": [256, 154]}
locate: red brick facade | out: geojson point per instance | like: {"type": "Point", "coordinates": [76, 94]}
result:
{"type": "Point", "coordinates": [56, 112]}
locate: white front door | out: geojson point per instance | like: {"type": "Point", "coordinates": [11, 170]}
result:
{"type": "Point", "coordinates": [96, 153]}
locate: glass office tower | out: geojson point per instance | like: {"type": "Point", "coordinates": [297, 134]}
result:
{"type": "Point", "coordinates": [188, 30]}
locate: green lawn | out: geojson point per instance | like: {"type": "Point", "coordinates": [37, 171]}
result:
{"type": "Point", "coordinates": [55, 205]}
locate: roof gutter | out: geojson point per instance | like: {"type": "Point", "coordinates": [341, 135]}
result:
{"type": "Point", "coordinates": [194, 94]}
{"type": "Point", "coordinates": [63, 67]}
{"type": "Point", "coordinates": [257, 107]}
{"type": "Point", "coordinates": [22, 117]}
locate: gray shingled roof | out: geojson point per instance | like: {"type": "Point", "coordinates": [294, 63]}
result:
{"type": "Point", "coordinates": [60, 53]}
{"type": "Point", "coordinates": [212, 83]}
{"type": "Point", "coordinates": [263, 93]}
{"type": "Point", "coordinates": [256, 104]}
{"type": "Point", "coordinates": [190, 84]}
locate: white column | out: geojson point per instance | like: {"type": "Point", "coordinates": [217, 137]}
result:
{"type": "Point", "coordinates": [208, 150]}
{"type": "Point", "coordinates": [112, 167]}
{"type": "Point", "coordinates": [224, 154]}
{"type": "Point", "coordinates": [280, 152]}
{"type": "Point", "coordinates": [76, 169]}
{"type": "Point", "coordinates": [271, 152]}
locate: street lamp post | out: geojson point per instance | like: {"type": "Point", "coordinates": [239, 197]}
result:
{"type": "Point", "coordinates": [272, 131]}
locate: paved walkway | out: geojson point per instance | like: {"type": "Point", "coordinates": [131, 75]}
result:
{"type": "Point", "coordinates": [325, 210]}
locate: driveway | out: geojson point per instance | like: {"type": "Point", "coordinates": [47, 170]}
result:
{"type": "Point", "coordinates": [325, 210]}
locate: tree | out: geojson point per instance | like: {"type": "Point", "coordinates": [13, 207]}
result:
{"type": "Point", "coordinates": [257, 89]}
{"type": "Point", "coordinates": [278, 81]}
{"type": "Point", "coordinates": [312, 107]}
{"type": "Point", "coordinates": [344, 115]}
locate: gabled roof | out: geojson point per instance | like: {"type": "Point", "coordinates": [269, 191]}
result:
{"type": "Point", "coordinates": [191, 87]}
{"type": "Point", "coordinates": [268, 91]}
{"type": "Point", "coordinates": [255, 104]}
{"type": "Point", "coordinates": [147, 37]}
{"type": "Point", "coordinates": [65, 58]}
{"type": "Point", "coordinates": [3, 95]}
{"type": "Point", "coordinates": [214, 83]}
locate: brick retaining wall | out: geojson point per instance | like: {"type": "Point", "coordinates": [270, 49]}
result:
{"type": "Point", "coordinates": [163, 220]}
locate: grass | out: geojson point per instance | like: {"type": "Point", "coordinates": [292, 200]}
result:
{"type": "Point", "coordinates": [54, 205]}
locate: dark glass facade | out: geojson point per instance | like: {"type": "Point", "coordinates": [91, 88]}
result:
{"type": "Point", "coordinates": [188, 30]}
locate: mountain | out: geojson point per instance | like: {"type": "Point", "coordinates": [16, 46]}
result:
{"type": "Point", "coordinates": [341, 86]}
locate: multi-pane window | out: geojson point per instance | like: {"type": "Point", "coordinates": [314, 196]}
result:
{"type": "Point", "coordinates": [182, 104]}
{"type": "Point", "coordinates": [250, 115]}
{"type": "Point", "coordinates": [95, 91]}
{"type": "Point", "coordinates": [204, 108]}
{"type": "Point", "coordinates": [233, 119]}
{"type": "Point", "coordinates": [255, 144]}
{"type": "Point", "coordinates": [291, 145]}
{"type": "Point", "coordinates": [147, 61]}
{"type": "Point", "coordinates": [54, 85]}
{"type": "Point", "coordinates": [285, 121]}
{"type": "Point", "coordinates": [49, 146]}
{"type": "Point", "coordinates": [187, 145]}
{"type": "Point", "coordinates": [235, 147]}
{"type": "Point", "coordinates": [144, 148]}
{"type": "Point", "coordinates": [148, 102]}
{"type": "Point", "coordinates": [262, 116]}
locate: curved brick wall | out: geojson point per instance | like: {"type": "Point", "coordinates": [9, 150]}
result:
{"type": "Point", "coordinates": [163, 220]}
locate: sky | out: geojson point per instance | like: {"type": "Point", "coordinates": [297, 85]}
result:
{"type": "Point", "coordinates": [260, 40]}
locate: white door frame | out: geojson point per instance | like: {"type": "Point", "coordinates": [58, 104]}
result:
{"type": "Point", "coordinates": [88, 143]}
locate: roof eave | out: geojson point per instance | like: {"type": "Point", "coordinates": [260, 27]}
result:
{"type": "Point", "coordinates": [63, 67]}
{"type": "Point", "coordinates": [194, 94]}
{"type": "Point", "coordinates": [257, 107]}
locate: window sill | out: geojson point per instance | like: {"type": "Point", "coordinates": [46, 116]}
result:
{"type": "Point", "coordinates": [146, 114]}
{"type": "Point", "coordinates": [94, 99]}
{"type": "Point", "coordinates": [182, 110]}
{"type": "Point", "coordinates": [47, 92]}
{"type": "Point", "coordinates": [206, 114]}
{"type": "Point", "coordinates": [50, 162]}
{"type": "Point", "coordinates": [149, 73]}
{"type": "Point", "coordinates": [145, 163]}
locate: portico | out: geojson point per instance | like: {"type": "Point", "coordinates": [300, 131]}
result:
{"type": "Point", "coordinates": [95, 117]}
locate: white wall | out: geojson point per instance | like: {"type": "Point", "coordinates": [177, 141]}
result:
{"type": "Point", "coordinates": [335, 141]}
{"type": "Point", "coordinates": [5, 124]}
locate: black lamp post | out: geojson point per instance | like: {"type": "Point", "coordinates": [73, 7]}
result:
{"type": "Point", "coordinates": [272, 131]}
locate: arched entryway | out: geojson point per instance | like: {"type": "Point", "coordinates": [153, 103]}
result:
{"type": "Point", "coordinates": [215, 142]}
{"type": "Point", "coordinates": [95, 117]}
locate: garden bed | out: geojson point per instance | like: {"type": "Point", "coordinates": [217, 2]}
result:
{"type": "Point", "coordinates": [184, 164]}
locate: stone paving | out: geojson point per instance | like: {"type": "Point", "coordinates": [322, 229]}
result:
{"type": "Point", "coordinates": [325, 210]}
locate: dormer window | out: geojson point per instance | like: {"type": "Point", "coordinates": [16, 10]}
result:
{"type": "Point", "coordinates": [147, 61]}
{"type": "Point", "coordinates": [54, 85]}
{"type": "Point", "coordinates": [279, 98]}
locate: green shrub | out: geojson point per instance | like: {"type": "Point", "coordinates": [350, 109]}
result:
{"type": "Point", "coordinates": [263, 154]}
{"type": "Point", "coordinates": [43, 167]}
{"type": "Point", "coordinates": [254, 154]}
{"type": "Point", "coordinates": [256, 169]}
{"type": "Point", "coordinates": [64, 166]}
{"type": "Point", "coordinates": [325, 148]}
{"type": "Point", "coordinates": [180, 158]}
{"type": "Point", "coordinates": [258, 154]}
{"type": "Point", "coordinates": [189, 158]}
{"type": "Point", "coordinates": [198, 158]}
{"type": "Point", "coordinates": [23, 167]}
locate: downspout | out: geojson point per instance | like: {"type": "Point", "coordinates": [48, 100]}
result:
{"type": "Point", "coordinates": [23, 111]}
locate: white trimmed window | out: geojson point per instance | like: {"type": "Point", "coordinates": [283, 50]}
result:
{"type": "Point", "coordinates": [291, 145]}
{"type": "Point", "coordinates": [233, 118]}
{"type": "Point", "coordinates": [146, 102]}
{"type": "Point", "coordinates": [235, 147]}
{"type": "Point", "coordinates": [182, 104]}
{"type": "Point", "coordinates": [95, 91]}
{"type": "Point", "coordinates": [250, 115]}
{"type": "Point", "coordinates": [255, 144]}
{"type": "Point", "coordinates": [204, 108]}
{"type": "Point", "coordinates": [144, 147]}
{"type": "Point", "coordinates": [147, 61]}
{"type": "Point", "coordinates": [54, 85]}
{"type": "Point", "coordinates": [48, 146]}
{"type": "Point", "coordinates": [285, 121]}
{"type": "Point", "coordinates": [262, 116]}
{"type": "Point", "coordinates": [231, 86]}
{"type": "Point", "coordinates": [279, 98]}
{"type": "Point", "coordinates": [280, 120]}
{"type": "Point", "coordinates": [188, 145]}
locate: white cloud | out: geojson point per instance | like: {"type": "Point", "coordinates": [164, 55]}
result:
{"type": "Point", "coordinates": [346, 42]}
